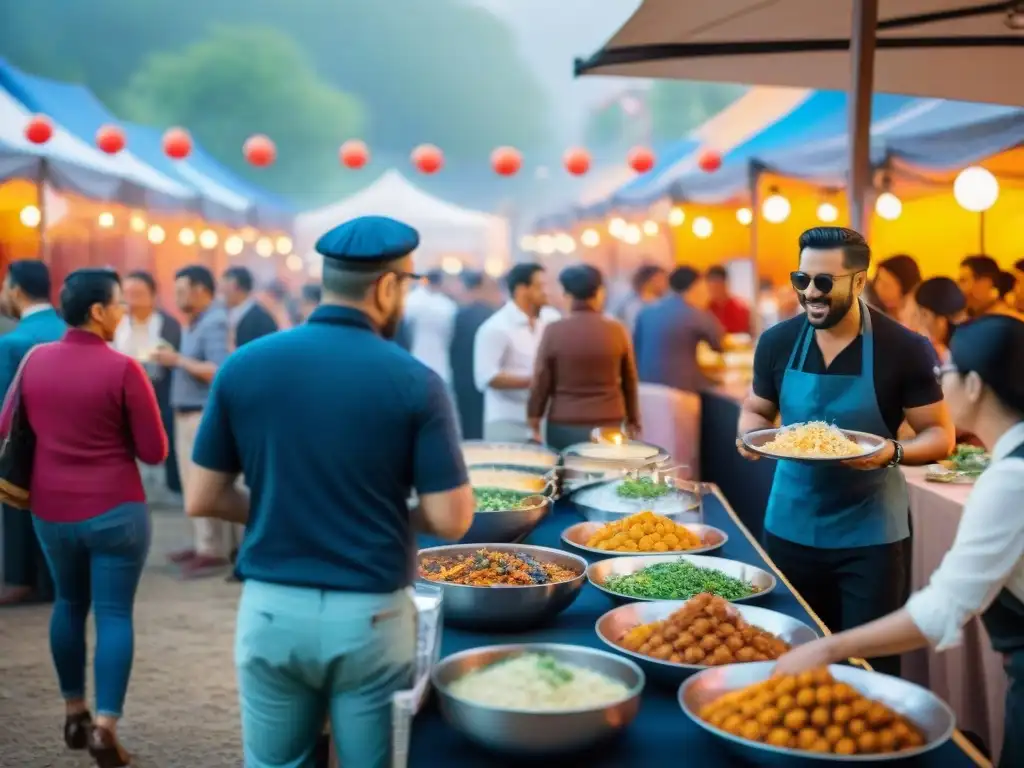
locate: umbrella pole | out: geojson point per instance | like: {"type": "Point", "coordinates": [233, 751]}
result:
{"type": "Point", "coordinates": [862, 65]}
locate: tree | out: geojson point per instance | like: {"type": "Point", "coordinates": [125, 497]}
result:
{"type": "Point", "coordinates": [678, 107]}
{"type": "Point", "coordinates": [245, 80]}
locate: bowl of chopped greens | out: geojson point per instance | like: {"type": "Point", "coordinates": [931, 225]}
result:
{"type": "Point", "coordinates": [678, 577]}
{"type": "Point", "coordinates": [504, 515]}
{"type": "Point", "coordinates": [964, 466]}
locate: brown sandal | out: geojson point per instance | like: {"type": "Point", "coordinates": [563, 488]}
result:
{"type": "Point", "coordinates": [106, 750]}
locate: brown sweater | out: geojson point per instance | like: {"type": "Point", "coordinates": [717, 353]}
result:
{"type": "Point", "coordinates": [585, 372]}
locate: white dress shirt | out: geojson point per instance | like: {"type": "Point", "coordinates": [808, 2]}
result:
{"type": "Point", "coordinates": [431, 317]}
{"type": "Point", "coordinates": [507, 343]}
{"type": "Point", "coordinates": [987, 553]}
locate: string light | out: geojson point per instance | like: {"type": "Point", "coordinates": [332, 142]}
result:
{"type": "Point", "coordinates": [234, 245]}
{"type": "Point", "coordinates": [208, 239]}
{"type": "Point", "coordinates": [494, 266]}
{"type": "Point", "coordinates": [283, 244]}
{"type": "Point", "coordinates": [451, 265]}
{"type": "Point", "coordinates": [617, 227]}
{"type": "Point", "coordinates": [30, 216]}
{"type": "Point", "coordinates": [156, 234]}
{"type": "Point", "coordinates": [187, 237]}
{"type": "Point", "coordinates": [775, 208]}
{"type": "Point", "coordinates": [702, 227]}
{"type": "Point", "coordinates": [888, 206]}
{"type": "Point", "coordinates": [137, 223]}
{"type": "Point", "coordinates": [976, 189]}
{"type": "Point", "coordinates": [293, 262]}
{"type": "Point", "coordinates": [744, 216]}
{"type": "Point", "coordinates": [545, 245]}
{"type": "Point", "coordinates": [590, 238]}
{"type": "Point", "coordinates": [264, 247]}
{"type": "Point", "coordinates": [632, 234]}
{"type": "Point", "coordinates": [105, 220]}
{"type": "Point", "coordinates": [650, 228]}
{"type": "Point", "coordinates": [528, 243]}
{"type": "Point", "coordinates": [676, 217]}
{"type": "Point", "coordinates": [564, 243]}
{"type": "Point", "coordinates": [827, 213]}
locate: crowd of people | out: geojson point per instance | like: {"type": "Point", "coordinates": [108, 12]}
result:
{"type": "Point", "coordinates": [297, 442]}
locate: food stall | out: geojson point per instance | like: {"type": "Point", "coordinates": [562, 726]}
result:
{"type": "Point", "coordinates": [659, 727]}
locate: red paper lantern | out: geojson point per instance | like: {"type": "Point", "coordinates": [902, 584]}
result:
{"type": "Point", "coordinates": [640, 159]}
{"type": "Point", "coordinates": [577, 161]}
{"type": "Point", "coordinates": [177, 143]}
{"type": "Point", "coordinates": [259, 150]}
{"type": "Point", "coordinates": [709, 161]}
{"type": "Point", "coordinates": [39, 129]}
{"type": "Point", "coordinates": [506, 161]}
{"type": "Point", "coordinates": [427, 158]}
{"type": "Point", "coordinates": [110, 139]}
{"type": "Point", "coordinates": [354, 154]}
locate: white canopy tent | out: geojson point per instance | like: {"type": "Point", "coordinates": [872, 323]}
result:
{"type": "Point", "coordinates": [450, 236]}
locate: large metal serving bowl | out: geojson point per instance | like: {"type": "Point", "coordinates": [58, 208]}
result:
{"type": "Point", "coordinates": [524, 480]}
{"type": "Point", "coordinates": [503, 607]}
{"type": "Point", "coordinates": [525, 456]}
{"type": "Point", "coordinates": [596, 502]}
{"type": "Point", "coordinates": [919, 705]}
{"type": "Point", "coordinates": [599, 572]}
{"type": "Point", "coordinates": [614, 625]}
{"type": "Point", "coordinates": [578, 535]}
{"type": "Point", "coordinates": [538, 734]}
{"type": "Point", "coordinates": [869, 444]}
{"type": "Point", "coordinates": [507, 525]}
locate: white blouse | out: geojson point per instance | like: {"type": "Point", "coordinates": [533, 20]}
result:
{"type": "Point", "coordinates": [987, 553]}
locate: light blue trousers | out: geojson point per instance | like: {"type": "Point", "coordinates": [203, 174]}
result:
{"type": "Point", "coordinates": [305, 654]}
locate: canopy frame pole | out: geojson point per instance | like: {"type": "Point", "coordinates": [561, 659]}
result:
{"type": "Point", "coordinates": [756, 320]}
{"type": "Point", "coordinates": [862, 71]}
{"type": "Point", "coordinates": [44, 251]}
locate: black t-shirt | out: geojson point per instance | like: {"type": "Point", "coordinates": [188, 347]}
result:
{"type": "Point", "coordinates": [906, 367]}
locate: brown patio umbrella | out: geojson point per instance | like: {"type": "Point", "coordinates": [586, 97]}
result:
{"type": "Point", "coordinates": [952, 49]}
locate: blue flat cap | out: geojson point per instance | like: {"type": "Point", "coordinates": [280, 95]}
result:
{"type": "Point", "coordinates": [368, 241]}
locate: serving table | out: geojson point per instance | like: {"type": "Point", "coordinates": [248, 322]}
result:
{"type": "Point", "coordinates": [661, 731]}
{"type": "Point", "coordinates": [969, 677]}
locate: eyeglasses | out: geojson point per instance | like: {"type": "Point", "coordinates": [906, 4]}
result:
{"type": "Point", "coordinates": [823, 282]}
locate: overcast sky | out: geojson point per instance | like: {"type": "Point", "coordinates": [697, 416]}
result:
{"type": "Point", "coordinates": [552, 33]}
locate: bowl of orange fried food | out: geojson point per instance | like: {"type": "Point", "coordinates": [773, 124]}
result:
{"type": "Point", "coordinates": [672, 640]}
{"type": "Point", "coordinates": [644, 533]}
{"type": "Point", "coordinates": [844, 714]}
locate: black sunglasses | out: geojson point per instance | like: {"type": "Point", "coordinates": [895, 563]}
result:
{"type": "Point", "coordinates": [823, 282]}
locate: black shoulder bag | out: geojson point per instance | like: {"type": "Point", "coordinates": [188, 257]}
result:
{"type": "Point", "coordinates": [18, 447]}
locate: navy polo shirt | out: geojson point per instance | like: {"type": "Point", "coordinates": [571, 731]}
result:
{"type": "Point", "coordinates": [332, 426]}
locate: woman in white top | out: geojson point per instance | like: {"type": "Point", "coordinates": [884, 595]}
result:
{"type": "Point", "coordinates": [983, 573]}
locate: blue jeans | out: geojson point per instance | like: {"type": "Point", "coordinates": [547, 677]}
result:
{"type": "Point", "coordinates": [99, 562]}
{"type": "Point", "coordinates": [303, 654]}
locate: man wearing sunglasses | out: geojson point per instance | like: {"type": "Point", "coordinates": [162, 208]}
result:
{"type": "Point", "coordinates": [841, 532]}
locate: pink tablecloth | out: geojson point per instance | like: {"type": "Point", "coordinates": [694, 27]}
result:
{"type": "Point", "coordinates": [969, 677]}
{"type": "Point", "coordinates": [671, 420]}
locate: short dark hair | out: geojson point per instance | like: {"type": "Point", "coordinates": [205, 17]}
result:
{"type": "Point", "coordinates": [993, 347]}
{"type": "Point", "coordinates": [717, 272]}
{"type": "Point", "coordinates": [904, 268]}
{"type": "Point", "coordinates": [82, 289]}
{"type": "Point", "coordinates": [521, 275]}
{"type": "Point", "coordinates": [312, 293]}
{"type": "Point", "coordinates": [1005, 283]}
{"type": "Point", "coordinates": [941, 296]}
{"type": "Point", "coordinates": [581, 281]}
{"type": "Point", "coordinates": [856, 252]}
{"type": "Point", "coordinates": [32, 277]}
{"type": "Point", "coordinates": [277, 289]}
{"type": "Point", "coordinates": [682, 279]}
{"type": "Point", "coordinates": [982, 266]}
{"type": "Point", "coordinates": [435, 277]}
{"type": "Point", "coordinates": [241, 276]}
{"type": "Point", "coordinates": [143, 277]}
{"type": "Point", "coordinates": [471, 279]}
{"type": "Point", "coordinates": [197, 274]}
{"type": "Point", "coordinates": [1019, 264]}
{"type": "Point", "coordinates": [644, 274]}
{"type": "Point", "coordinates": [352, 284]}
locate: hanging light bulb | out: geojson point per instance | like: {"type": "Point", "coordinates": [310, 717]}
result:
{"type": "Point", "coordinates": [676, 216]}
{"type": "Point", "coordinates": [156, 234]}
{"type": "Point", "coordinates": [105, 220]}
{"type": "Point", "coordinates": [702, 227]}
{"type": "Point", "coordinates": [494, 266]}
{"type": "Point", "coordinates": [888, 206]}
{"type": "Point", "coordinates": [234, 245]}
{"type": "Point", "coordinates": [744, 216]}
{"type": "Point", "coordinates": [775, 208]}
{"type": "Point", "coordinates": [187, 237]}
{"type": "Point", "coordinates": [976, 189]}
{"type": "Point", "coordinates": [545, 245]}
{"type": "Point", "coordinates": [293, 262]}
{"type": "Point", "coordinates": [137, 223]}
{"type": "Point", "coordinates": [30, 216]}
{"type": "Point", "coordinates": [564, 243]}
{"type": "Point", "coordinates": [650, 228]}
{"type": "Point", "coordinates": [632, 234]}
{"type": "Point", "coordinates": [617, 227]}
{"type": "Point", "coordinates": [827, 212]}
{"type": "Point", "coordinates": [208, 239]}
{"type": "Point", "coordinates": [264, 247]}
{"type": "Point", "coordinates": [451, 265]}
{"type": "Point", "coordinates": [283, 244]}
{"type": "Point", "coordinates": [528, 243]}
{"type": "Point", "coordinates": [590, 238]}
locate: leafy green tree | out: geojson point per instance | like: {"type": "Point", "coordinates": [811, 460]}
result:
{"type": "Point", "coordinates": [678, 107]}
{"type": "Point", "coordinates": [245, 80]}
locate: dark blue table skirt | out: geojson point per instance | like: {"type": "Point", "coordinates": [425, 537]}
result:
{"type": "Point", "coordinates": [661, 733]}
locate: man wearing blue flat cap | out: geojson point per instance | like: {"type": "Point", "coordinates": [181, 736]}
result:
{"type": "Point", "coordinates": [333, 426]}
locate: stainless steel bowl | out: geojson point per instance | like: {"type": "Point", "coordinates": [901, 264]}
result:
{"type": "Point", "coordinates": [581, 455]}
{"type": "Point", "coordinates": [530, 457]}
{"type": "Point", "coordinates": [919, 705]}
{"type": "Point", "coordinates": [524, 480]}
{"type": "Point", "coordinates": [538, 734]}
{"type": "Point", "coordinates": [599, 572]}
{"type": "Point", "coordinates": [578, 535]}
{"type": "Point", "coordinates": [614, 625]}
{"type": "Point", "coordinates": [507, 607]}
{"type": "Point", "coordinates": [598, 502]}
{"type": "Point", "coordinates": [508, 525]}
{"type": "Point", "coordinates": [869, 444]}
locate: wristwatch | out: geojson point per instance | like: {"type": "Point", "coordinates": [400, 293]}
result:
{"type": "Point", "coordinates": [897, 454]}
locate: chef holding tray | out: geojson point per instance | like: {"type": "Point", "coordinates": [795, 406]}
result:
{"type": "Point", "coordinates": [840, 531]}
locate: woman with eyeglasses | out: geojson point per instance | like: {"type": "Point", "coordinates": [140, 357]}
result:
{"type": "Point", "coordinates": [840, 532]}
{"type": "Point", "coordinates": [983, 574]}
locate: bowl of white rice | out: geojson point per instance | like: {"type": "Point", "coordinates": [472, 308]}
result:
{"type": "Point", "coordinates": [536, 699]}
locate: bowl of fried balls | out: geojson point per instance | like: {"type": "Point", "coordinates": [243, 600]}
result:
{"type": "Point", "coordinates": [672, 640]}
{"type": "Point", "coordinates": [841, 713]}
{"type": "Point", "coordinates": [644, 533]}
